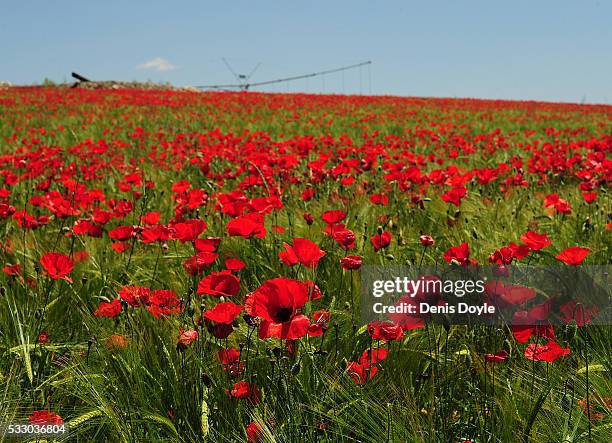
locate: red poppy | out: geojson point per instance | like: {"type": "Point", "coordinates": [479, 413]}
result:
{"type": "Point", "coordinates": [524, 326]}
{"type": "Point", "coordinates": [254, 432]}
{"type": "Point", "coordinates": [551, 200]}
{"type": "Point", "coordinates": [405, 320]}
{"type": "Point", "coordinates": [563, 207]}
{"type": "Point", "coordinates": [560, 205]}
{"type": "Point", "coordinates": [135, 295]}
{"type": "Point", "coordinates": [120, 247]}
{"type": "Point", "coordinates": [225, 312]}
{"type": "Point", "coordinates": [217, 330]}
{"type": "Point", "coordinates": [549, 352]}
{"type": "Point", "coordinates": [320, 321]}
{"type": "Point", "coordinates": [497, 357]}
{"type": "Point", "coordinates": [80, 256]}
{"type": "Point", "coordinates": [308, 194]}
{"type": "Point", "coordinates": [302, 251]}
{"type": "Point", "coordinates": [12, 269]}
{"type": "Point", "coordinates": [455, 195]}
{"type": "Point", "coordinates": [219, 284]}
{"type": "Point", "coordinates": [366, 368]}
{"type": "Point", "coordinates": [573, 255]}
{"type": "Point", "coordinates": [360, 373]}
{"type": "Point", "coordinates": [189, 230]}
{"type": "Point", "coordinates": [45, 417]}
{"type": "Point", "coordinates": [519, 252]}
{"type": "Point", "coordinates": [198, 263]}
{"type": "Point", "coordinates": [230, 360]}
{"type": "Point", "coordinates": [87, 227]}
{"type": "Point", "coordinates": [314, 291]}
{"type": "Point", "coordinates": [345, 238]}
{"type": "Point", "coordinates": [151, 218]}
{"type": "Point", "coordinates": [509, 294]}
{"type": "Point", "coordinates": [57, 265]}
{"type": "Point", "coordinates": [277, 302]}
{"type": "Point", "coordinates": [186, 338]}
{"type": "Point", "coordinates": [374, 356]}
{"type": "Point", "coordinates": [296, 327]}
{"type": "Point", "coordinates": [458, 254]}
{"type": "Point", "coordinates": [502, 256]}
{"type": "Point", "coordinates": [535, 241]}
{"type": "Point", "coordinates": [265, 205]}
{"type": "Point", "coordinates": [426, 240]}
{"type": "Point", "coordinates": [158, 233]}
{"type": "Point", "coordinates": [234, 264]}
{"type": "Point", "coordinates": [101, 216]}
{"type": "Point", "coordinates": [208, 244]}
{"type": "Point", "coordinates": [333, 217]}
{"type": "Point", "coordinates": [180, 186]}
{"type": "Point", "coordinates": [121, 233]}
{"type": "Point", "coordinates": [589, 197]}
{"type": "Point", "coordinates": [380, 199]}
{"type": "Point", "coordinates": [249, 225]}
{"type": "Point", "coordinates": [380, 241]}
{"type": "Point", "coordinates": [579, 313]}
{"type": "Point", "coordinates": [228, 356]}
{"type": "Point", "coordinates": [164, 302]}
{"type": "Point", "coordinates": [385, 330]}
{"type": "Point", "coordinates": [111, 309]}
{"type": "Point", "coordinates": [351, 262]}
{"type": "Point", "coordinates": [244, 390]}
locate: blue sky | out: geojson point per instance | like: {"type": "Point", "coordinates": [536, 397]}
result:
{"type": "Point", "coordinates": [542, 50]}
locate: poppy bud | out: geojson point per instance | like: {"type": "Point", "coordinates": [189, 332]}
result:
{"type": "Point", "coordinates": [570, 330]}
{"type": "Point", "coordinates": [295, 370]}
{"type": "Point", "coordinates": [446, 323]}
{"type": "Point", "coordinates": [426, 240]}
{"type": "Point", "coordinates": [389, 257]}
{"type": "Point", "coordinates": [43, 338]}
{"type": "Point", "coordinates": [250, 320]}
{"type": "Point", "coordinates": [206, 380]}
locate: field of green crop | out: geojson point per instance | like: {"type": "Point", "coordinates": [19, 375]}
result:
{"type": "Point", "coordinates": [183, 266]}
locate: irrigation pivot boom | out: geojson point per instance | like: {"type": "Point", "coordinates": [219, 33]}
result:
{"type": "Point", "coordinates": [245, 85]}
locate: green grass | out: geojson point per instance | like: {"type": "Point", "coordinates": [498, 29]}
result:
{"type": "Point", "coordinates": [435, 384]}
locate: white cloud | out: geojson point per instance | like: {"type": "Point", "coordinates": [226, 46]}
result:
{"type": "Point", "coordinates": [158, 64]}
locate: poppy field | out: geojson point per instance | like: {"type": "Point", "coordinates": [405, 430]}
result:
{"type": "Point", "coordinates": [183, 266]}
